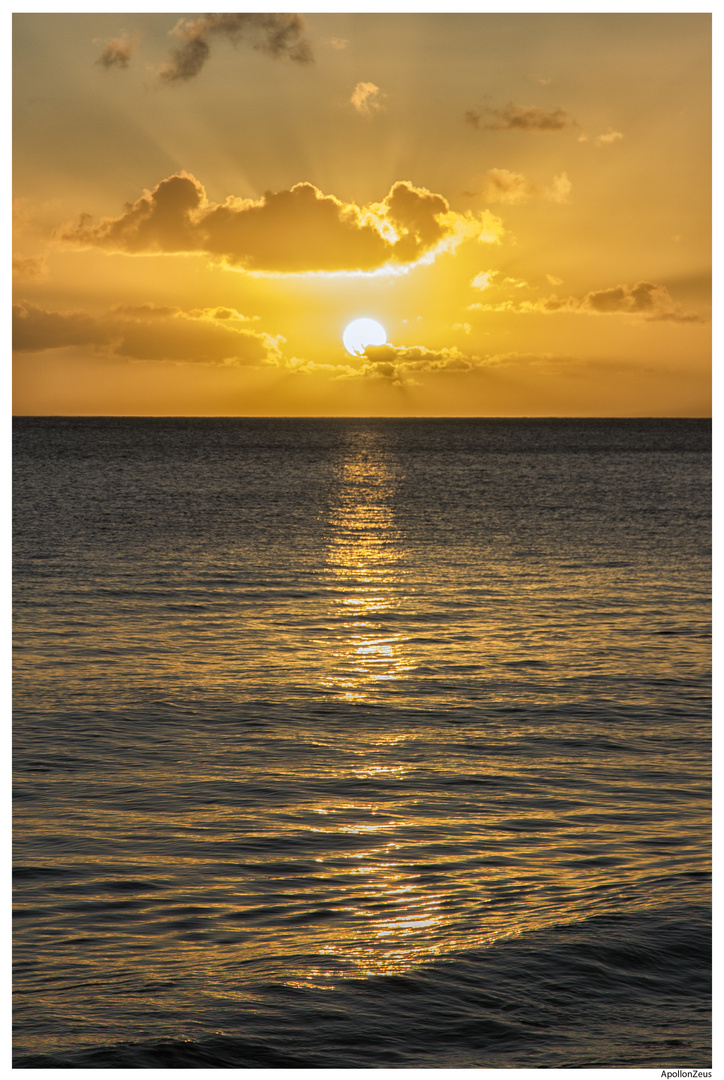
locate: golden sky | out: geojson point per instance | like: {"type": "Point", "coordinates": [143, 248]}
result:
{"type": "Point", "coordinates": [203, 203]}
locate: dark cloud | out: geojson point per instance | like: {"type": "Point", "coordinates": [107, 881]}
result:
{"type": "Point", "coordinates": [418, 357]}
{"type": "Point", "coordinates": [31, 268]}
{"type": "Point", "coordinates": [189, 340]}
{"type": "Point", "coordinates": [296, 230]}
{"type": "Point", "coordinates": [415, 213]}
{"type": "Point", "coordinates": [292, 231]}
{"type": "Point", "coordinates": [154, 334]}
{"type": "Point", "coordinates": [277, 35]}
{"type": "Point", "coordinates": [520, 118]}
{"type": "Point", "coordinates": [400, 364]}
{"type": "Point", "coordinates": [144, 311]}
{"type": "Point", "coordinates": [118, 53]}
{"type": "Point", "coordinates": [159, 221]}
{"type": "Point", "coordinates": [647, 299]}
{"type": "Point", "coordinates": [35, 330]}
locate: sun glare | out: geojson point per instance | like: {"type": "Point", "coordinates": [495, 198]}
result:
{"type": "Point", "coordinates": [361, 333]}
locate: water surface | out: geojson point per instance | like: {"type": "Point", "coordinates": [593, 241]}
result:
{"type": "Point", "coordinates": [361, 744]}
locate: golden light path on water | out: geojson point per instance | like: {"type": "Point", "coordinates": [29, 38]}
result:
{"type": "Point", "coordinates": [393, 921]}
{"type": "Point", "coordinates": [364, 555]}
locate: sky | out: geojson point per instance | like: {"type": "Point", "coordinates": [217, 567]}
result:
{"type": "Point", "coordinates": [203, 203]}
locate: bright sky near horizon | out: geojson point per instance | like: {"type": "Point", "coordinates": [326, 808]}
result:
{"type": "Point", "coordinates": [204, 203]}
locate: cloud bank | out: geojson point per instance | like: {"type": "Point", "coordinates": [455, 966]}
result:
{"type": "Point", "coordinates": [646, 299]}
{"type": "Point", "coordinates": [299, 230]}
{"type": "Point", "coordinates": [277, 35]}
{"type": "Point", "coordinates": [399, 364]}
{"type": "Point", "coordinates": [144, 332]}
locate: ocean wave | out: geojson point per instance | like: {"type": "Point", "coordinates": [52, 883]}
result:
{"type": "Point", "coordinates": [626, 991]}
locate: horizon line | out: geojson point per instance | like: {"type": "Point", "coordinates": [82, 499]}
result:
{"type": "Point", "coordinates": [333, 416]}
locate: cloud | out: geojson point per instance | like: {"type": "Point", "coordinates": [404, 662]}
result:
{"type": "Point", "coordinates": [293, 231]}
{"type": "Point", "coordinates": [158, 221]}
{"type": "Point", "coordinates": [605, 139]}
{"type": "Point", "coordinates": [145, 311]}
{"type": "Point", "coordinates": [502, 186]}
{"type": "Point", "coordinates": [404, 365]}
{"type": "Point", "coordinates": [484, 279]}
{"type": "Point", "coordinates": [117, 53]}
{"type": "Point", "coordinates": [35, 330]}
{"type": "Point", "coordinates": [650, 301]}
{"type": "Point", "coordinates": [644, 298]}
{"type": "Point", "coordinates": [399, 364]}
{"type": "Point", "coordinates": [418, 357]}
{"type": "Point", "coordinates": [277, 35]}
{"type": "Point", "coordinates": [608, 137]}
{"type": "Point", "coordinates": [521, 118]}
{"type": "Point", "coordinates": [561, 189]}
{"type": "Point", "coordinates": [365, 98]}
{"type": "Point", "coordinates": [32, 268]}
{"type": "Point", "coordinates": [143, 332]}
{"type": "Point", "coordinates": [156, 311]}
{"type": "Point", "coordinates": [190, 340]}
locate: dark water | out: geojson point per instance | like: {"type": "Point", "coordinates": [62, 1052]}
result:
{"type": "Point", "coordinates": [362, 744]}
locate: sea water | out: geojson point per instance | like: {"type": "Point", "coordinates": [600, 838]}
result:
{"type": "Point", "coordinates": [362, 743]}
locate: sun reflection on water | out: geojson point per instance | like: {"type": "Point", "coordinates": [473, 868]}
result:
{"type": "Point", "coordinates": [394, 922]}
{"type": "Point", "coordinates": [392, 918]}
{"type": "Point", "coordinates": [364, 559]}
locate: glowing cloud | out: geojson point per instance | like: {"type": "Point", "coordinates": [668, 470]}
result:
{"type": "Point", "coordinates": [299, 230]}
{"type": "Point", "coordinates": [399, 364]}
{"type": "Point", "coordinates": [366, 98]}
{"type": "Point", "coordinates": [608, 137]}
{"type": "Point", "coordinates": [484, 279]}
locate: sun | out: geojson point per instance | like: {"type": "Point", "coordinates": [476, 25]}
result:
{"type": "Point", "coordinates": [361, 333]}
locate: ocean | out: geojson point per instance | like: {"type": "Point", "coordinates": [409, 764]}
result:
{"type": "Point", "coordinates": [362, 743]}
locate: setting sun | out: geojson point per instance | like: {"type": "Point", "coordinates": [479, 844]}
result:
{"type": "Point", "coordinates": [361, 333]}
